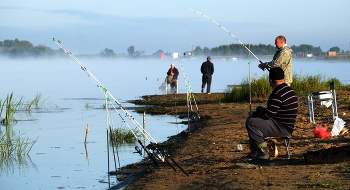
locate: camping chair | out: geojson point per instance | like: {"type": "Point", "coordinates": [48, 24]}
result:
{"type": "Point", "coordinates": [326, 98]}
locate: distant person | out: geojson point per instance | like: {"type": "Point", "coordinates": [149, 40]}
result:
{"type": "Point", "coordinates": [172, 77]}
{"type": "Point", "coordinates": [207, 70]}
{"type": "Point", "coordinates": [282, 58]}
{"type": "Point", "coordinates": [276, 120]}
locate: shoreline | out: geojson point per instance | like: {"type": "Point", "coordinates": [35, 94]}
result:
{"type": "Point", "coordinates": [210, 156]}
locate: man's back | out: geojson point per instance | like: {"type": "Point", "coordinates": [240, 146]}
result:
{"type": "Point", "coordinates": [282, 106]}
{"type": "Point", "coordinates": [207, 68]}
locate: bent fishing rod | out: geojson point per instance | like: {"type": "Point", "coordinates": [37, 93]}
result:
{"type": "Point", "coordinates": [158, 152]}
{"type": "Point", "coordinates": [227, 32]}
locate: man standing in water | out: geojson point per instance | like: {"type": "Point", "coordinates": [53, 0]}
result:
{"type": "Point", "coordinates": [172, 77]}
{"type": "Point", "coordinates": [282, 58]}
{"type": "Point", "coordinates": [207, 70]}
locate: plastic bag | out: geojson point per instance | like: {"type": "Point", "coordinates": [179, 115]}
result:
{"type": "Point", "coordinates": [337, 127]}
{"type": "Point", "coordinates": [321, 131]}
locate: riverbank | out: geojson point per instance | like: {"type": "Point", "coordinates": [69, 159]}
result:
{"type": "Point", "coordinates": [210, 157]}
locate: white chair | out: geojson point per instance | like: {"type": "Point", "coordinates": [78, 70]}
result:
{"type": "Point", "coordinates": [326, 98]}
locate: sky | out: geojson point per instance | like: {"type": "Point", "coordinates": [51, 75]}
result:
{"type": "Point", "coordinates": [90, 26]}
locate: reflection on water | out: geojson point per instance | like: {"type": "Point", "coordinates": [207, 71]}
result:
{"type": "Point", "coordinates": [22, 163]}
{"type": "Point", "coordinates": [14, 149]}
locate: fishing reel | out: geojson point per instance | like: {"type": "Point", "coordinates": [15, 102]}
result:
{"type": "Point", "coordinates": [157, 154]}
{"type": "Point", "coordinates": [138, 150]}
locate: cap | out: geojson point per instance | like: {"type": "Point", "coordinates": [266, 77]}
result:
{"type": "Point", "coordinates": [173, 64]}
{"type": "Point", "coordinates": [209, 57]}
{"type": "Point", "coordinates": [276, 73]}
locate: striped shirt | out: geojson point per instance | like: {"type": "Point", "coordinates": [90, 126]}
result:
{"type": "Point", "coordinates": [282, 106]}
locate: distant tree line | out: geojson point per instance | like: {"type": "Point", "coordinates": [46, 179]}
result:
{"type": "Point", "coordinates": [22, 48]}
{"type": "Point", "coordinates": [260, 49]}
{"type": "Point", "coordinates": [25, 49]}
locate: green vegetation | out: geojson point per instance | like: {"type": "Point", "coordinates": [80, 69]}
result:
{"type": "Point", "coordinates": [10, 105]}
{"type": "Point", "coordinates": [123, 135]}
{"type": "Point", "coordinates": [11, 143]}
{"type": "Point", "coordinates": [35, 102]}
{"type": "Point", "coordinates": [260, 87]}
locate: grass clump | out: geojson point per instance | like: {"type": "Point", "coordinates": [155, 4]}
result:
{"type": "Point", "coordinates": [10, 105]}
{"type": "Point", "coordinates": [34, 103]}
{"type": "Point", "coordinates": [259, 88]}
{"type": "Point", "coordinates": [123, 135]}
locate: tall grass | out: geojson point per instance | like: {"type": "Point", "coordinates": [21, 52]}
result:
{"type": "Point", "coordinates": [10, 142]}
{"type": "Point", "coordinates": [34, 103]}
{"type": "Point", "coordinates": [123, 135]}
{"type": "Point", "coordinates": [10, 105]}
{"type": "Point", "coordinates": [260, 87]}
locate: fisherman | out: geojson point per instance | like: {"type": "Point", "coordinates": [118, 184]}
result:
{"type": "Point", "coordinates": [276, 120]}
{"type": "Point", "coordinates": [282, 58]}
{"type": "Point", "coordinates": [207, 69]}
{"type": "Point", "coordinates": [172, 77]}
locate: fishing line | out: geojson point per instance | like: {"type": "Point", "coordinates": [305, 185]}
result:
{"type": "Point", "coordinates": [250, 88]}
{"type": "Point", "coordinates": [190, 95]}
{"type": "Point", "coordinates": [105, 91]}
{"type": "Point", "coordinates": [227, 32]}
{"type": "Point", "coordinates": [108, 97]}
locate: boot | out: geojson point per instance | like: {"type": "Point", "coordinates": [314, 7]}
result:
{"type": "Point", "coordinates": [263, 153]}
{"type": "Point", "coordinates": [253, 152]}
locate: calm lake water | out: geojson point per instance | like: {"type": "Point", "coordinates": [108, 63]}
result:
{"type": "Point", "coordinates": [59, 159]}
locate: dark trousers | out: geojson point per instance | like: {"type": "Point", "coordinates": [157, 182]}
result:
{"type": "Point", "coordinates": [173, 84]}
{"type": "Point", "coordinates": [206, 79]}
{"type": "Point", "coordinates": [258, 129]}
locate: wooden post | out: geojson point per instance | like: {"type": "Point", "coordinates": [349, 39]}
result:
{"type": "Point", "coordinates": [86, 132]}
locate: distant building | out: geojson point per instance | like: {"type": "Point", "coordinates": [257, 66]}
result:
{"type": "Point", "coordinates": [169, 55]}
{"type": "Point", "coordinates": [331, 53]}
{"type": "Point", "coordinates": [309, 55]}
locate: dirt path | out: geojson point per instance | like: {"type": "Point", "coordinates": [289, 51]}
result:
{"type": "Point", "coordinates": [210, 157]}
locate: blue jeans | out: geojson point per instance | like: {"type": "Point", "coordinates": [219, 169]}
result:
{"type": "Point", "coordinates": [206, 79]}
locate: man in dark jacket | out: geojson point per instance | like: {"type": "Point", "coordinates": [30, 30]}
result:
{"type": "Point", "coordinates": [276, 120]}
{"type": "Point", "coordinates": [172, 77]}
{"type": "Point", "coordinates": [207, 70]}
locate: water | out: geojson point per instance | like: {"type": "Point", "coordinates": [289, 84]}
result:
{"type": "Point", "coordinates": [59, 159]}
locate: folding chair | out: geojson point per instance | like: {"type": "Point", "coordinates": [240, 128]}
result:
{"type": "Point", "coordinates": [325, 97]}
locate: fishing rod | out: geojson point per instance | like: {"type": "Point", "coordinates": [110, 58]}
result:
{"type": "Point", "coordinates": [190, 96]}
{"type": "Point", "coordinates": [107, 94]}
{"type": "Point", "coordinates": [227, 32]}
{"type": "Point", "coordinates": [108, 100]}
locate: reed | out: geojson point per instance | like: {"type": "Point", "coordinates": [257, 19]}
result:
{"type": "Point", "coordinates": [35, 102]}
{"type": "Point", "coordinates": [260, 87]}
{"type": "Point", "coordinates": [123, 135]}
{"type": "Point", "coordinates": [10, 105]}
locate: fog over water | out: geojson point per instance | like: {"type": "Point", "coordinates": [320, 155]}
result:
{"type": "Point", "coordinates": [59, 158]}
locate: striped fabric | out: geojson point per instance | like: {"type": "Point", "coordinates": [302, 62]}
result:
{"type": "Point", "coordinates": [282, 106]}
